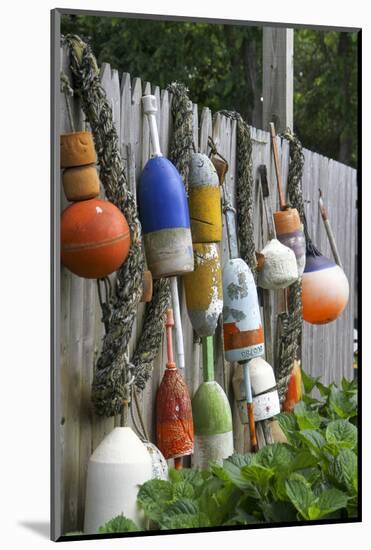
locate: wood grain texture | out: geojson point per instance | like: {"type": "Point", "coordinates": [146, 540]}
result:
{"type": "Point", "coordinates": [327, 350]}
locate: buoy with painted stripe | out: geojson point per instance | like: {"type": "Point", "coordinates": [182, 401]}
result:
{"type": "Point", "coordinates": [204, 200]}
{"type": "Point", "coordinates": [212, 415]}
{"type": "Point", "coordinates": [203, 289]}
{"type": "Point", "coordinates": [325, 289]}
{"type": "Point", "coordinates": [116, 469]}
{"type": "Point", "coordinates": [264, 390]}
{"type": "Point", "coordinates": [95, 238]}
{"type": "Point", "coordinates": [242, 326]}
{"type": "Point", "coordinates": [174, 422]}
{"type": "Point", "coordinates": [163, 209]}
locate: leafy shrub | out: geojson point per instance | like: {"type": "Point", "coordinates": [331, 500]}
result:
{"type": "Point", "coordinates": [312, 476]}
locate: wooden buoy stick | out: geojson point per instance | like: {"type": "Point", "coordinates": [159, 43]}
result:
{"type": "Point", "coordinates": [178, 322]}
{"type": "Point", "coordinates": [267, 206]}
{"type": "Point", "coordinates": [330, 234]}
{"type": "Point", "coordinates": [250, 408]}
{"type": "Point", "coordinates": [277, 167]}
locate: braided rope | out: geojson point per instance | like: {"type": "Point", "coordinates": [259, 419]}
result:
{"type": "Point", "coordinates": [113, 373]}
{"type": "Point", "coordinates": [181, 146]}
{"type": "Point", "coordinates": [244, 191]}
{"type": "Point", "coordinates": [290, 323]}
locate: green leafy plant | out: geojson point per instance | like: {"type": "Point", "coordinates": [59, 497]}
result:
{"type": "Point", "coordinates": [119, 524]}
{"type": "Point", "coordinates": [312, 476]}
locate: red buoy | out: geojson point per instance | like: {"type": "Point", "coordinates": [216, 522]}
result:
{"type": "Point", "coordinates": [95, 238]}
{"type": "Point", "coordinates": [174, 421]}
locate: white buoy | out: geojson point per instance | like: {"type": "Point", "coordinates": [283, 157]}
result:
{"type": "Point", "coordinates": [116, 469]}
{"type": "Point", "coordinates": [264, 390]}
{"type": "Point", "coordinates": [280, 269]}
{"type": "Point", "coordinates": [160, 468]}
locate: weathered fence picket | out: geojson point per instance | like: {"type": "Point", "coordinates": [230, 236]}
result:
{"type": "Point", "coordinates": [327, 350]}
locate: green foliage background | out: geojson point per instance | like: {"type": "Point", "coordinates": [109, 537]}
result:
{"type": "Point", "coordinates": [222, 67]}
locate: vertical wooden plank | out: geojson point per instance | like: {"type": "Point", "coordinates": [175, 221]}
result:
{"type": "Point", "coordinates": [205, 129]}
{"type": "Point", "coordinates": [136, 124]}
{"type": "Point", "coordinates": [195, 125]}
{"type": "Point", "coordinates": [165, 117]}
{"type": "Point", "coordinates": [116, 100]}
{"type": "Point", "coordinates": [278, 77]}
{"type": "Point", "coordinates": [145, 131]}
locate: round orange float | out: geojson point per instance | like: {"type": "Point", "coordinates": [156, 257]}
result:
{"type": "Point", "coordinates": [95, 238]}
{"type": "Point", "coordinates": [325, 289]}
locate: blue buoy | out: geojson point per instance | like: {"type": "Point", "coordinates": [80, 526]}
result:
{"type": "Point", "coordinates": [163, 210]}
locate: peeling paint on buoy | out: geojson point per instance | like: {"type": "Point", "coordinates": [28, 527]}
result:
{"type": "Point", "coordinates": [279, 268]}
{"type": "Point", "coordinates": [203, 289]}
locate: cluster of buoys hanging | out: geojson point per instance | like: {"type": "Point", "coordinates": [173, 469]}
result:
{"type": "Point", "coordinates": [287, 220]}
{"type": "Point", "coordinates": [277, 267]}
{"type": "Point", "coordinates": [244, 338]}
{"type": "Point", "coordinates": [164, 215]}
{"type": "Point", "coordinates": [95, 236]}
{"type": "Point", "coordinates": [203, 290]}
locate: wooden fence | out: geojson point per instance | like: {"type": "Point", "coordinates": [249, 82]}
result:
{"type": "Point", "coordinates": [327, 349]}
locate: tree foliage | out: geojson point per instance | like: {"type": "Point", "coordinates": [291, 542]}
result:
{"type": "Point", "coordinates": [222, 67]}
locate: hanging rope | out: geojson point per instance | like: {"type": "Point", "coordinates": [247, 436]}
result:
{"type": "Point", "coordinates": [290, 322]}
{"type": "Point", "coordinates": [113, 372]}
{"type": "Point", "coordinates": [244, 191]}
{"type": "Point", "coordinates": [182, 140]}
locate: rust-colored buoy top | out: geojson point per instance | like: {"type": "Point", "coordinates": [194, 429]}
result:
{"type": "Point", "coordinates": [77, 149]}
{"type": "Point", "coordinates": [287, 221]}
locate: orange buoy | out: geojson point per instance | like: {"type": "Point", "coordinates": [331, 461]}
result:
{"type": "Point", "coordinates": [81, 183]}
{"type": "Point", "coordinates": [294, 389]}
{"type": "Point", "coordinates": [325, 289]}
{"type": "Point", "coordinates": [95, 238]}
{"type": "Point", "coordinates": [174, 421]}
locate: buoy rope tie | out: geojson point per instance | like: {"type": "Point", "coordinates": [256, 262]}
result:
{"type": "Point", "coordinates": [114, 373]}
{"type": "Point", "coordinates": [290, 322]}
{"type": "Point", "coordinates": [67, 90]}
{"type": "Point", "coordinates": [244, 191]}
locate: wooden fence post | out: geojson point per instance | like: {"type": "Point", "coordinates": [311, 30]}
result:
{"type": "Point", "coordinates": [278, 77]}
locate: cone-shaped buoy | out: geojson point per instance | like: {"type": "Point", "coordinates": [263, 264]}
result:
{"type": "Point", "coordinates": [325, 289]}
{"type": "Point", "coordinates": [212, 415]}
{"type": "Point", "coordinates": [163, 210]}
{"type": "Point", "coordinates": [116, 469]}
{"type": "Point", "coordinates": [160, 469]}
{"type": "Point", "coordinates": [204, 200]}
{"type": "Point", "coordinates": [203, 289]}
{"type": "Point", "coordinates": [174, 422]}
{"type": "Point", "coordinates": [294, 389]}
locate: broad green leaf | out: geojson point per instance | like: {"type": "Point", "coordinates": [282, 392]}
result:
{"type": "Point", "coordinates": [308, 381]}
{"type": "Point", "coordinates": [345, 470]}
{"type": "Point", "coordinates": [312, 439]}
{"type": "Point", "coordinates": [218, 504]}
{"type": "Point", "coordinates": [278, 511]}
{"type": "Point", "coordinates": [185, 521]}
{"type": "Point", "coordinates": [342, 433]}
{"type": "Point", "coordinates": [287, 422]}
{"type": "Point", "coordinates": [277, 455]}
{"type": "Point", "coordinates": [303, 459]}
{"type": "Point", "coordinates": [345, 406]}
{"type": "Point", "coordinates": [183, 489]}
{"type": "Point", "coordinates": [153, 496]}
{"type": "Point", "coordinates": [301, 496]}
{"type": "Point", "coordinates": [232, 467]}
{"type": "Point", "coordinates": [330, 501]}
{"type": "Point", "coordinates": [258, 475]}
{"type": "Point", "coordinates": [324, 390]}
{"type": "Point", "coordinates": [306, 419]}
{"type": "Point", "coordinates": [119, 524]}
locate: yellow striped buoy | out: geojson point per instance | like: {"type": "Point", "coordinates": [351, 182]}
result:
{"type": "Point", "coordinates": [204, 200]}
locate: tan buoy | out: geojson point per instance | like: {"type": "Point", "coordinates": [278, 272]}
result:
{"type": "Point", "coordinates": [203, 289]}
{"type": "Point", "coordinates": [204, 200]}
